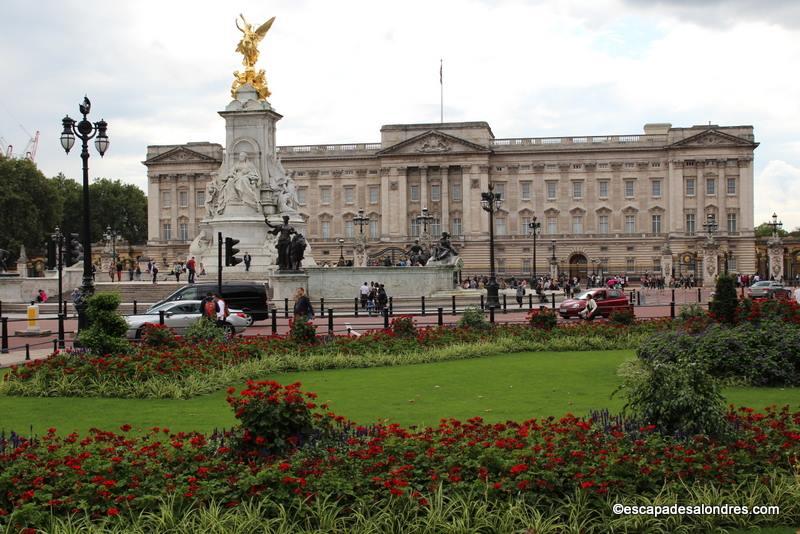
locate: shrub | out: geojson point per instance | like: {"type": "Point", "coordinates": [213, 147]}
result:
{"type": "Point", "coordinates": [542, 318]}
{"type": "Point", "coordinates": [623, 317]}
{"type": "Point", "coordinates": [106, 333]}
{"type": "Point", "coordinates": [473, 317]}
{"type": "Point", "coordinates": [204, 330]}
{"type": "Point", "coordinates": [403, 326]}
{"type": "Point", "coordinates": [302, 331]}
{"type": "Point", "coordinates": [693, 318]}
{"type": "Point", "coordinates": [274, 418]}
{"type": "Point", "coordinates": [725, 302]}
{"type": "Point", "coordinates": [158, 335]}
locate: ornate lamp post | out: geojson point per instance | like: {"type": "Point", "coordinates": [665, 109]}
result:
{"type": "Point", "coordinates": [425, 219]}
{"type": "Point", "coordinates": [58, 238]}
{"type": "Point", "coordinates": [775, 224]}
{"type": "Point", "coordinates": [360, 253]}
{"type": "Point", "coordinates": [534, 226]}
{"type": "Point", "coordinates": [775, 259]}
{"type": "Point", "coordinates": [491, 202]}
{"type": "Point", "coordinates": [361, 220]}
{"type": "Point", "coordinates": [85, 131]}
{"type": "Point", "coordinates": [710, 226]}
{"type": "Point", "coordinates": [341, 252]}
{"type": "Point", "coordinates": [112, 236]}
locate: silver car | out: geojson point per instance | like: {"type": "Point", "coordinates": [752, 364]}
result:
{"type": "Point", "coordinates": [180, 315]}
{"type": "Point", "coordinates": [764, 288]}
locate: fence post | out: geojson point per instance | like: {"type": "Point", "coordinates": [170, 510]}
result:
{"type": "Point", "coordinates": [161, 317]}
{"type": "Point", "coordinates": [1, 308]}
{"type": "Point", "coordinates": [482, 305]}
{"type": "Point", "coordinates": [423, 304]}
{"type": "Point", "coordinates": [27, 352]}
{"type": "Point", "coordinates": [440, 318]}
{"type": "Point", "coordinates": [135, 308]}
{"type": "Point", "coordinates": [61, 330]}
{"type": "Point", "coordinates": [454, 304]}
{"type": "Point", "coordinates": [4, 342]}
{"type": "Point", "coordinates": [55, 345]}
{"type": "Point", "coordinates": [672, 310]}
{"type": "Point", "coordinates": [673, 295]}
{"type": "Point", "coordinates": [274, 321]}
{"type": "Point", "coordinates": [330, 322]}
{"type": "Point", "coordinates": [505, 303]}
{"type": "Point", "coordinates": [322, 305]}
{"type": "Point", "coordinates": [385, 313]}
{"type": "Point", "coordinates": [554, 300]}
{"type": "Point", "coordinates": [699, 296]}
{"type": "Point", "coordinates": [286, 308]}
{"type": "Point", "coordinates": [491, 314]}
{"type": "Point", "coordinates": [355, 306]}
{"type": "Point", "coordinates": [638, 298]}
{"type": "Point", "coordinates": [630, 297]}
{"type": "Point", "coordinates": [391, 306]}
{"type": "Point", "coordinates": [530, 301]}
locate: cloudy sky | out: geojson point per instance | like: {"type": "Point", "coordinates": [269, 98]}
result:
{"type": "Point", "coordinates": [159, 71]}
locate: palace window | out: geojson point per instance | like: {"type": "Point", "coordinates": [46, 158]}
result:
{"type": "Point", "coordinates": [349, 194]}
{"type": "Point", "coordinates": [656, 224]}
{"type": "Point", "coordinates": [690, 187]}
{"type": "Point", "coordinates": [436, 227]}
{"type": "Point", "coordinates": [731, 186]}
{"type": "Point", "coordinates": [200, 198]}
{"type": "Point", "coordinates": [374, 232]}
{"type": "Point", "coordinates": [183, 231]}
{"type": "Point", "coordinates": [301, 196]}
{"type": "Point", "coordinates": [525, 190]}
{"type": "Point", "coordinates": [577, 190]}
{"type": "Point", "coordinates": [436, 192]}
{"type": "Point", "coordinates": [629, 190]}
{"type": "Point", "coordinates": [500, 189]}
{"type": "Point", "coordinates": [656, 188]}
{"type": "Point", "coordinates": [711, 186]}
{"type": "Point", "coordinates": [690, 223]}
{"type": "Point", "coordinates": [325, 227]}
{"type": "Point", "coordinates": [325, 194]}
{"type": "Point", "coordinates": [414, 190]}
{"type": "Point", "coordinates": [457, 228]}
{"type": "Point", "coordinates": [732, 227]}
{"type": "Point", "coordinates": [374, 191]}
{"type": "Point", "coordinates": [183, 199]}
{"type": "Point", "coordinates": [500, 226]}
{"type": "Point", "coordinates": [551, 190]}
{"type": "Point", "coordinates": [166, 199]}
{"type": "Point", "coordinates": [552, 225]}
{"type": "Point", "coordinates": [523, 225]}
{"type": "Point", "coordinates": [630, 265]}
{"type": "Point", "coordinates": [166, 231]}
{"type": "Point", "coordinates": [455, 192]}
{"type": "Point", "coordinates": [602, 224]}
{"type": "Point", "coordinates": [603, 188]}
{"type": "Point", "coordinates": [349, 229]}
{"type": "Point", "coordinates": [577, 224]}
{"type": "Point", "coordinates": [630, 224]}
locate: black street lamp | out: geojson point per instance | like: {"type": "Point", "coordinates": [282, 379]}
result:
{"type": "Point", "coordinates": [553, 247]}
{"type": "Point", "coordinates": [85, 131]}
{"type": "Point", "coordinates": [490, 202]}
{"type": "Point", "coordinates": [534, 227]}
{"type": "Point", "coordinates": [710, 226]}
{"type": "Point", "coordinates": [58, 238]}
{"type": "Point", "coordinates": [341, 252]}
{"type": "Point", "coordinates": [425, 219]}
{"type": "Point", "coordinates": [113, 237]}
{"type": "Point", "coordinates": [775, 224]}
{"type": "Point", "coordinates": [361, 220]}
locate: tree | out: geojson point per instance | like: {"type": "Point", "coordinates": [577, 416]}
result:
{"type": "Point", "coordinates": [30, 207]}
{"type": "Point", "coordinates": [765, 230]}
{"type": "Point", "coordinates": [725, 302]}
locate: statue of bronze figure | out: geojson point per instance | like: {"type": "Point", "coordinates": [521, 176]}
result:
{"type": "Point", "coordinates": [284, 232]}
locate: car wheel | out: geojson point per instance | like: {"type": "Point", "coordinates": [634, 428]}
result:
{"type": "Point", "coordinates": [228, 329]}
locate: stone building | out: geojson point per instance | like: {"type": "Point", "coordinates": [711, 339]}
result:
{"type": "Point", "coordinates": [607, 203]}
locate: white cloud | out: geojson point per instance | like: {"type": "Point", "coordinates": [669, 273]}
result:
{"type": "Point", "coordinates": [779, 184]}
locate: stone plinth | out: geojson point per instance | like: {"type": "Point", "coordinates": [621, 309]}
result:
{"type": "Point", "coordinates": [775, 255]}
{"type": "Point", "coordinates": [554, 269]}
{"type": "Point", "coordinates": [283, 285]}
{"type": "Point", "coordinates": [710, 263]}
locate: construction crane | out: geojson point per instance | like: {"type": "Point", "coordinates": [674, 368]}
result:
{"type": "Point", "coordinates": [30, 149]}
{"type": "Point", "coordinates": [5, 148]}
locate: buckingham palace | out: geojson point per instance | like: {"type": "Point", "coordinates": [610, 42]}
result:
{"type": "Point", "coordinates": [605, 203]}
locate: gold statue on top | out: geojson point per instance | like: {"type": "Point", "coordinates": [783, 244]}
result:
{"type": "Point", "coordinates": [248, 47]}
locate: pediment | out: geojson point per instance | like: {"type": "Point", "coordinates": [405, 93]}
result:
{"type": "Point", "coordinates": [713, 138]}
{"type": "Point", "coordinates": [181, 155]}
{"type": "Point", "coordinates": [433, 142]}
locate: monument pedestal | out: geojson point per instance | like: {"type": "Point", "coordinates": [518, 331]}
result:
{"type": "Point", "coordinates": [284, 284]}
{"type": "Point", "coordinates": [775, 256]}
{"type": "Point", "coordinates": [710, 263]}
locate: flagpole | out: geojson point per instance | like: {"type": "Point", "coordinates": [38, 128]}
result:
{"type": "Point", "coordinates": [441, 93]}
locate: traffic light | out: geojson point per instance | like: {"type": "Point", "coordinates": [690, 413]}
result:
{"type": "Point", "coordinates": [230, 252]}
{"type": "Point", "coordinates": [75, 250]}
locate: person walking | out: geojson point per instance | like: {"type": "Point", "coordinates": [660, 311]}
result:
{"type": "Point", "coordinates": [154, 270]}
{"type": "Point", "coordinates": [364, 291]}
{"type": "Point", "coordinates": [119, 271]}
{"type": "Point", "coordinates": [302, 306]}
{"type": "Point", "coordinates": [247, 260]}
{"type": "Point", "coordinates": [177, 270]}
{"type": "Point", "coordinates": [208, 308]}
{"type": "Point", "coordinates": [191, 265]}
{"type": "Point", "coordinates": [111, 270]}
{"type": "Point", "coordinates": [520, 294]}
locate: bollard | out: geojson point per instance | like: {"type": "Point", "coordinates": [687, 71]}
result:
{"type": "Point", "coordinates": [391, 308]}
{"type": "Point", "coordinates": [699, 295]}
{"type": "Point", "coordinates": [135, 308]}
{"type": "Point", "coordinates": [491, 314]}
{"type": "Point", "coordinates": [454, 304]}
{"type": "Point", "coordinates": [482, 306]}
{"type": "Point", "coordinates": [27, 352]}
{"type": "Point", "coordinates": [530, 301]}
{"type": "Point", "coordinates": [673, 295]}
{"type": "Point", "coordinates": [355, 306]}
{"type": "Point", "coordinates": [322, 305]}
{"type": "Point", "coordinates": [630, 297]}
{"type": "Point", "coordinates": [33, 318]}
{"type": "Point", "coordinates": [61, 330]}
{"type": "Point", "coordinates": [274, 321]}
{"type": "Point", "coordinates": [554, 300]}
{"type": "Point", "coordinates": [505, 304]}
{"type": "Point", "coordinates": [4, 342]}
{"type": "Point", "coordinates": [330, 322]}
{"type": "Point", "coordinates": [423, 305]}
{"type": "Point", "coordinates": [55, 346]}
{"type": "Point", "coordinates": [440, 318]}
{"type": "Point", "coordinates": [161, 317]}
{"type": "Point", "coordinates": [638, 298]}
{"type": "Point", "coordinates": [672, 310]}
{"type": "Point", "coordinates": [385, 313]}
{"type": "Point", "coordinates": [286, 308]}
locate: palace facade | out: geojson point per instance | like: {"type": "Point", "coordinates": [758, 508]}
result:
{"type": "Point", "coordinates": [605, 203]}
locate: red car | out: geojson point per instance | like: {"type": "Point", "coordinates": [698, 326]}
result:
{"type": "Point", "coordinates": [608, 301]}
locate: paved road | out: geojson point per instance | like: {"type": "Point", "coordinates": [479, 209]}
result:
{"type": "Point", "coordinates": [652, 304]}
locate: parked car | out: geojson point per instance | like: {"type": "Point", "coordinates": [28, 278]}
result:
{"type": "Point", "coordinates": [764, 287]}
{"type": "Point", "coordinates": [777, 293]}
{"type": "Point", "coordinates": [180, 315]}
{"type": "Point", "coordinates": [608, 301]}
{"type": "Point", "coordinates": [250, 297]}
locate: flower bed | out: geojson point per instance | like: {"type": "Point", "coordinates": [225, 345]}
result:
{"type": "Point", "coordinates": [190, 369]}
{"type": "Point", "coordinates": [108, 474]}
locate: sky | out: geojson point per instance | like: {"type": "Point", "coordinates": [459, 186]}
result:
{"type": "Point", "coordinates": [158, 72]}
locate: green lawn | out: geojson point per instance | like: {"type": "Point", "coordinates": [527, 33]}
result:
{"type": "Point", "coordinates": [512, 386]}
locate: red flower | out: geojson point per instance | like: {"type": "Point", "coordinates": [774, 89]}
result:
{"type": "Point", "coordinates": [112, 512]}
{"type": "Point", "coordinates": [519, 468]}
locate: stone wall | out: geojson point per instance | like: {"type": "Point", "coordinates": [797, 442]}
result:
{"type": "Point", "coordinates": [343, 282]}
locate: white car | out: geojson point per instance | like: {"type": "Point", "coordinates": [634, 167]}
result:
{"type": "Point", "coordinates": [764, 288]}
{"type": "Point", "coordinates": [180, 315]}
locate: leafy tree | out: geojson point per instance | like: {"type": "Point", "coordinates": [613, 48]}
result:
{"type": "Point", "coordinates": [725, 302]}
{"type": "Point", "coordinates": [765, 230]}
{"type": "Point", "coordinates": [121, 206]}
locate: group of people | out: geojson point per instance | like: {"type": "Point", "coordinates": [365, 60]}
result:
{"type": "Point", "coordinates": [214, 308]}
{"type": "Point", "coordinates": [373, 297]}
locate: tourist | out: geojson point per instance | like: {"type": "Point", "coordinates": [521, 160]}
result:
{"type": "Point", "coordinates": [130, 272]}
{"type": "Point", "coordinates": [138, 274]}
{"type": "Point", "coordinates": [247, 260]}
{"type": "Point", "coordinates": [302, 306]}
{"type": "Point", "coordinates": [591, 307]}
{"type": "Point", "coordinates": [177, 270]}
{"type": "Point", "coordinates": [371, 300]}
{"type": "Point", "coordinates": [191, 265]}
{"type": "Point", "coordinates": [383, 298]}
{"type": "Point", "coordinates": [154, 270]}
{"type": "Point", "coordinates": [41, 296]}
{"type": "Point", "coordinates": [94, 271]}
{"type": "Point", "coordinates": [364, 292]}
{"type": "Point", "coordinates": [520, 294]}
{"type": "Point", "coordinates": [221, 309]}
{"type": "Point", "coordinates": [208, 308]}
{"type": "Point", "coordinates": [111, 270]}
{"type": "Point", "coordinates": [119, 271]}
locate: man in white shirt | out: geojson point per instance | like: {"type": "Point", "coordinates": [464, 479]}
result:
{"type": "Point", "coordinates": [220, 310]}
{"type": "Point", "coordinates": [364, 294]}
{"type": "Point", "coordinates": [797, 295]}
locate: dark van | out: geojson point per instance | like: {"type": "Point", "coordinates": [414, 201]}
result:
{"type": "Point", "coordinates": [250, 297]}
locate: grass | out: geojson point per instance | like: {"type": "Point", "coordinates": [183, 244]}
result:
{"type": "Point", "coordinates": [509, 386]}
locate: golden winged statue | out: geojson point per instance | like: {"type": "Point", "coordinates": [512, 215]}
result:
{"type": "Point", "coordinates": [248, 47]}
